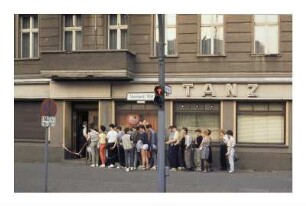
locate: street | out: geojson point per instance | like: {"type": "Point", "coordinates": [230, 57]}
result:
{"type": "Point", "coordinates": [75, 176]}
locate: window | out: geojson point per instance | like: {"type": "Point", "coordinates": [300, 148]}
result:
{"type": "Point", "coordinates": [266, 36]}
{"type": "Point", "coordinates": [212, 35]}
{"type": "Point", "coordinates": [198, 116]}
{"type": "Point", "coordinates": [29, 36]}
{"type": "Point", "coordinates": [117, 31]}
{"type": "Point", "coordinates": [170, 35]}
{"type": "Point", "coordinates": [261, 122]}
{"type": "Point", "coordinates": [72, 35]}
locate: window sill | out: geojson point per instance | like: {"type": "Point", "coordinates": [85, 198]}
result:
{"type": "Point", "coordinates": [167, 57]}
{"type": "Point", "coordinates": [29, 140]}
{"type": "Point", "coordinates": [266, 55]}
{"type": "Point", "coordinates": [208, 56]}
{"type": "Point", "coordinates": [27, 59]}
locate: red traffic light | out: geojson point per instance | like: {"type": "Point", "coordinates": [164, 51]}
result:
{"type": "Point", "coordinates": [158, 90]}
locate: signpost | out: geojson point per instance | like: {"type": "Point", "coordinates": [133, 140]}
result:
{"type": "Point", "coordinates": [48, 111]}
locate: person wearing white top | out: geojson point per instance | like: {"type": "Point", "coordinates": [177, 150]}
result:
{"type": "Point", "coordinates": [231, 143]}
{"type": "Point", "coordinates": [111, 146]}
{"type": "Point", "coordinates": [188, 149]}
{"type": "Point", "coordinates": [173, 148]}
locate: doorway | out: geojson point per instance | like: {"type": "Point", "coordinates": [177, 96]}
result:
{"type": "Point", "coordinates": [82, 112]}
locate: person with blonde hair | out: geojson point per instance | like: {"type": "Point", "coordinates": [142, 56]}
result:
{"type": "Point", "coordinates": [204, 148]}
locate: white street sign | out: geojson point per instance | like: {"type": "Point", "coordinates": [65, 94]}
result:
{"type": "Point", "coordinates": [168, 89]}
{"type": "Point", "coordinates": [145, 96]}
{"type": "Point", "coordinates": [47, 121]}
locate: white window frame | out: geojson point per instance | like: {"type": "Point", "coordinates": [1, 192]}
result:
{"type": "Point", "coordinates": [212, 42]}
{"type": "Point", "coordinates": [117, 27]}
{"type": "Point", "coordinates": [155, 27]}
{"type": "Point", "coordinates": [31, 30]}
{"type": "Point", "coordinates": [266, 25]}
{"type": "Point", "coordinates": [73, 29]}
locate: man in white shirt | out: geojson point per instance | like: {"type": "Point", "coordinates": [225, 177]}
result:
{"type": "Point", "coordinates": [173, 148]}
{"type": "Point", "coordinates": [111, 146]}
{"type": "Point", "coordinates": [231, 143]}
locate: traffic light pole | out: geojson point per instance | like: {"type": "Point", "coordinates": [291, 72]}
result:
{"type": "Point", "coordinates": [161, 179]}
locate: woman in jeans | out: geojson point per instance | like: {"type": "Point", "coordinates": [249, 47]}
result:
{"type": "Point", "coordinates": [102, 145]}
{"type": "Point", "coordinates": [128, 150]}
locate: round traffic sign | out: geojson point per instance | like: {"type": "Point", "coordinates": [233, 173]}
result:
{"type": "Point", "coordinates": [48, 108]}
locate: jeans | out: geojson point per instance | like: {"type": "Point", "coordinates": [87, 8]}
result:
{"type": "Point", "coordinates": [154, 156]}
{"type": "Point", "coordinates": [128, 154]}
{"type": "Point", "coordinates": [231, 159]}
{"type": "Point", "coordinates": [173, 156]}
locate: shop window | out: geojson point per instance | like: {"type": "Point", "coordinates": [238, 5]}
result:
{"type": "Point", "coordinates": [198, 116]}
{"type": "Point", "coordinates": [260, 123]}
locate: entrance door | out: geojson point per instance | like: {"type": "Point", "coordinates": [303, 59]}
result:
{"type": "Point", "coordinates": [82, 112]}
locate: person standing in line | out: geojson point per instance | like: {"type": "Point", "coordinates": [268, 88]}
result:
{"type": "Point", "coordinates": [197, 153]}
{"type": "Point", "coordinates": [135, 138]}
{"type": "Point", "coordinates": [210, 158]}
{"type": "Point", "coordinates": [102, 145]}
{"type": "Point", "coordinates": [231, 143]}
{"type": "Point", "coordinates": [204, 148]}
{"type": "Point", "coordinates": [173, 148]}
{"type": "Point", "coordinates": [188, 149]}
{"type": "Point", "coordinates": [128, 149]}
{"type": "Point", "coordinates": [153, 146]}
{"type": "Point", "coordinates": [181, 151]}
{"type": "Point", "coordinates": [223, 149]}
{"type": "Point", "coordinates": [111, 146]}
{"type": "Point", "coordinates": [149, 134]}
{"type": "Point", "coordinates": [82, 136]}
{"type": "Point", "coordinates": [93, 136]}
{"type": "Point", "coordinates": [120, 149]}
{"type": "Point", "coordinates": [145, 147]}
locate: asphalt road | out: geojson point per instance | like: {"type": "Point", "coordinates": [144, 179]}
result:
{"type": "Point", "coordinates": [71, 176]}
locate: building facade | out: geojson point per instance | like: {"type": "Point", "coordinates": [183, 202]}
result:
{"type": "Point", "coordinates": [226, 71]}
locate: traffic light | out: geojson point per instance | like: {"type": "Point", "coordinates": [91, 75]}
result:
{"type": "Point", "coordinates": [159, 96]}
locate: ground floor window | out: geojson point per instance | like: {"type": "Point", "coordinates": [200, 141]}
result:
{"type": "Point", "coordinates": [198, 115]}
{"type": "Point", "coordinates": [131, 114]}
{"type": "Point", "coordinates": [261, 122]}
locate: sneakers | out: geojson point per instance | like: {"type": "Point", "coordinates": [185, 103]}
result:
{"type": "Point", "coordinates": [131, 168]}
{"type": "Point", "coordinates": [118, 167]}
{"type": "Point", "coordinates": [111, 166]}
{"type": "Point", "coordinates": [230, 172]}
{"type": "Point", "coordinates": [97, 165]}
{"type": "Point", "coordinates": [173, 169]}
{"type": "Point", "coordinates": [103, 165]}
{"type": "Point", "coordinates": [93, 165]}
{"type": "Point", "coordinates": [127, 169]}
{"type": "Point", "coordinates": [198, 169]}
{"type": "Point", "coordinates": [153, 168]}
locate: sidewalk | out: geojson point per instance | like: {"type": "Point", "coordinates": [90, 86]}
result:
{"type": "Point", "coordinates": [71, 176]}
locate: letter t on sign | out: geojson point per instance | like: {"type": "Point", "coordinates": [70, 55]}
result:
{"type": "Point", "coordinates": [187, 86]}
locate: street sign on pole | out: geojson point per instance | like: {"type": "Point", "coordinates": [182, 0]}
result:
{"type": "Point", "coordinates": [48, 109]}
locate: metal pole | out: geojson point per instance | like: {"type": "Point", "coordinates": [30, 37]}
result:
{"type": "Point", "coordinates": [161, 182]}
{"type": "Point", "coordinates": [46, 159]}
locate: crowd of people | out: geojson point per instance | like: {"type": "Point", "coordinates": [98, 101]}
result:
{"type": "Point", "coordinates": [136, 148]}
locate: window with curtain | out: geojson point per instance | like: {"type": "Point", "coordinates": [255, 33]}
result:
{"type": "Point", "coordinates": [170, 35]}
{"type": "Point", "coordinates": [29, 36]}
{"type": "Point", "coordinates": [72, 32]}
{"type": "Point", "coordinates": [118, 31]}
{"type": "Point", "coordinates": [198, 116]}
{"type": "Point", "coordinates": [261, 123]}
{"type": "Point", "coordinates": [212, 35]}
{"type": "Point", "coordinates": [266, 35]}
